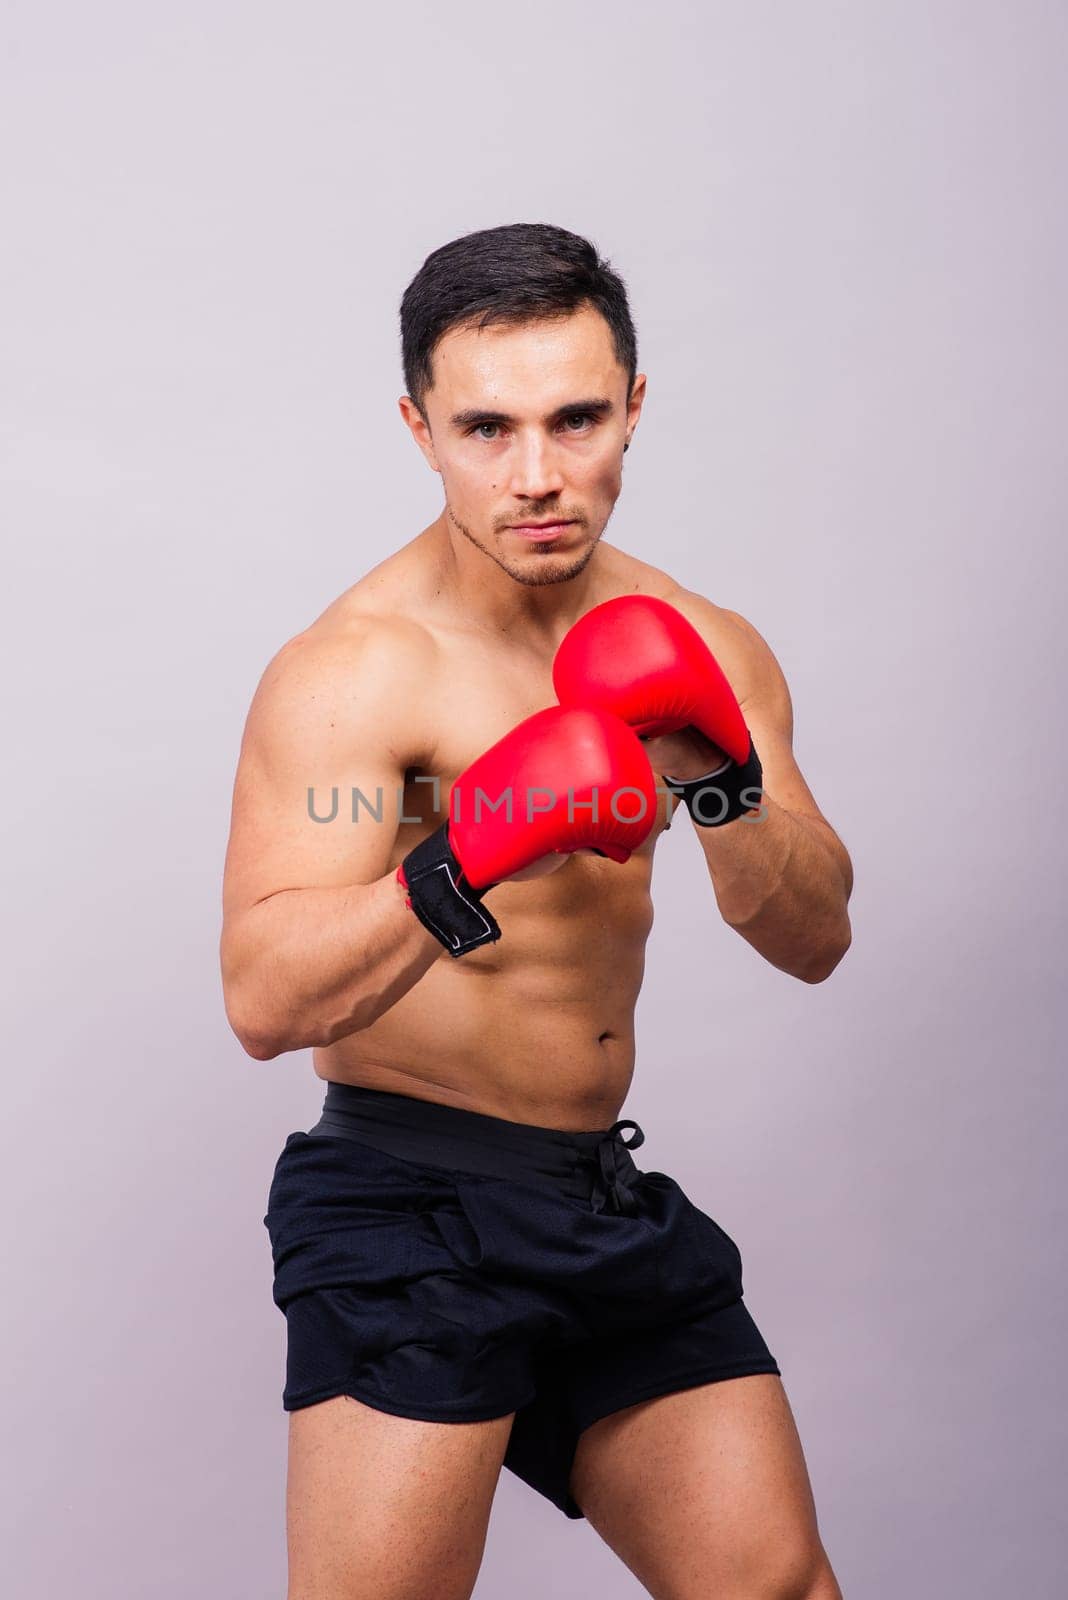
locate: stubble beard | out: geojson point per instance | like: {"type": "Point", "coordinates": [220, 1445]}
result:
{"type": "Point", "coordinates": [551, 566]}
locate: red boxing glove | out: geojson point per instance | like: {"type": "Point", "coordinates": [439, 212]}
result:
{"type": "Point", "coordinates": [568, 779]}
{"type": "Point", "coordinates": [640, 658]}
{"type": "Point", "coordinates": [564, 779]}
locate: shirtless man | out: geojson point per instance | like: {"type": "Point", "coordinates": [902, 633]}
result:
{"type": "Point", "coordinates": [473, 1270]}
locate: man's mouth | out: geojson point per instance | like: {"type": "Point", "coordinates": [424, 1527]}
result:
{"type": "Point", "coordinates": [540, 530]}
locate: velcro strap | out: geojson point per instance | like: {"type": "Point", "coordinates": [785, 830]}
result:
{"type": "Point", "coordinates": [445, 903]}
{"type": "Point", "coordinates": [723, 795]}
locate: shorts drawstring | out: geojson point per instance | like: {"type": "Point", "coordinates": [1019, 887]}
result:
{"type": "Point", "coordinates": [613, 1181]}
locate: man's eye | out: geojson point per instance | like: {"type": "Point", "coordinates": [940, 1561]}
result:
{"type": "Point", "coordinates": [575, 422]}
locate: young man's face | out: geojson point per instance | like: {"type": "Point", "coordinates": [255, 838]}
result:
{"type": "Point", "coordinates": [527, 426]}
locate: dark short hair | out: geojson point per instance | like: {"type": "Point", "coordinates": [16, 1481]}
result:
{"type": "Point", "coordinates": [517, 273]}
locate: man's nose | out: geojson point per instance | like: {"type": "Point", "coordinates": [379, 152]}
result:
{"type": "Point", "coordinates": [536, 471]}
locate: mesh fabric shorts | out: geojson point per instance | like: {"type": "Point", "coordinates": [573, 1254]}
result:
{"type": "Point", "coordinates": [450, 1266]}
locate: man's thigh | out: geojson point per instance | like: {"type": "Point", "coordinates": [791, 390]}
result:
{"type": "Point", "coordinates": [384, 1508]}
{"type": "Point", "coordinates": [705, 1492]}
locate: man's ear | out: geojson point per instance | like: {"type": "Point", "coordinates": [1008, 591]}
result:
{"type": "Point", "coordinates": [419, 428]}
{"type": "Point", "coordinates": [634, 406]}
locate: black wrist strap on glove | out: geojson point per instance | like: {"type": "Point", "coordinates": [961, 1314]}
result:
{"type": "Point", "coordinates": [722, 796]}
{"type": "Point", "coordinates": [443, 900]}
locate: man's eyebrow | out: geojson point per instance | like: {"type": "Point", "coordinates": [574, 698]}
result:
{"type": "Point", "coordinates": [476, 416]}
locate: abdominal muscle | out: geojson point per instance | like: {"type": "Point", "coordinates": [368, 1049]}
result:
{"type": "Point", "coordinates": [537, 1027]}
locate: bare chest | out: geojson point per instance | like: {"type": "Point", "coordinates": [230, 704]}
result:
{"type": "Point", "coordinates": [480, 694]}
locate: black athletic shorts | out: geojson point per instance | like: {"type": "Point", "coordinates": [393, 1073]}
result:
{"type": "Point", "coordinates": [446, 1265]}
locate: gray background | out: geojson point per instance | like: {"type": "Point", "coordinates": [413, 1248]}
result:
{"type": "Point", "coordinates": [843, 231]}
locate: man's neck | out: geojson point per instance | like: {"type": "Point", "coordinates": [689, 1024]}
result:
{"type": "Point", "coordinates": [481, 591]}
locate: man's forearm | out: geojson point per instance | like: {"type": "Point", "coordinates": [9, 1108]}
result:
{"type": "Point", "coordinates": [310, 966]}
{"type": "Point", "coordinates": [779, 883]}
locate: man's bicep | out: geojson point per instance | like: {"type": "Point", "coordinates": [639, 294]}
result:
{"type": "Point", "coordinates": [322, 729]}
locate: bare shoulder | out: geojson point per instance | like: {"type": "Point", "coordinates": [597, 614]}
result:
{"type": "Point", "coordinates": [623, 573]}
{"type": "Point", "coordinates": [392, 590]}
{"type": "Point", "coordinates": [353, 669]}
